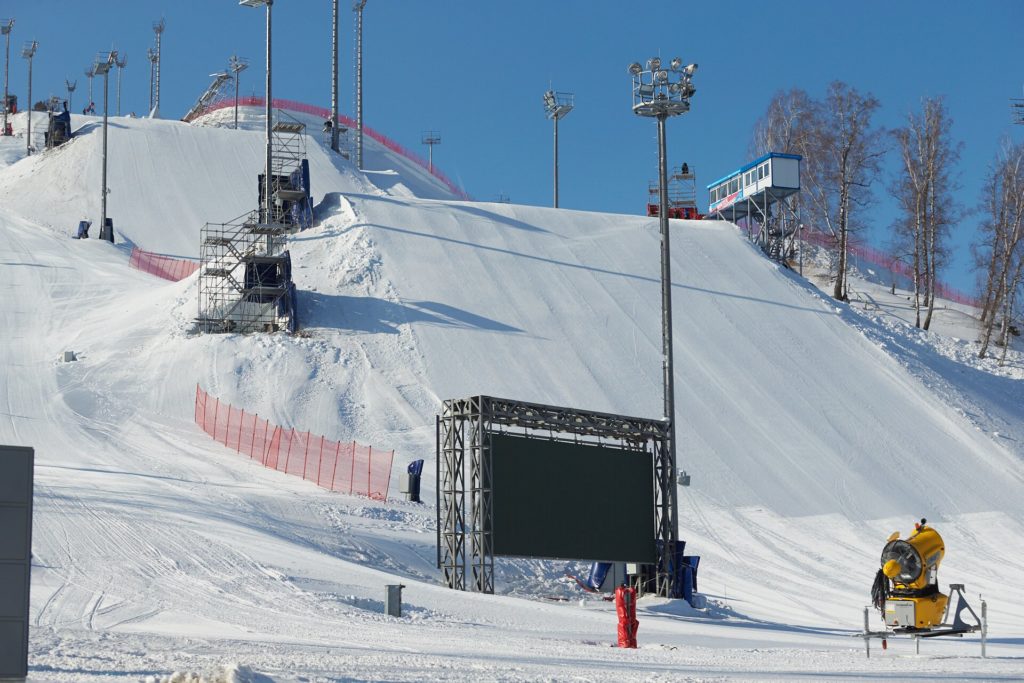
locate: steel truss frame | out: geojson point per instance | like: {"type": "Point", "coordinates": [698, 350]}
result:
{"type": "Point", "coordinates": [465, 425]}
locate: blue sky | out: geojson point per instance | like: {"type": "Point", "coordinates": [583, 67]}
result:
{"type": "Point", "coordinates": [475, 71]}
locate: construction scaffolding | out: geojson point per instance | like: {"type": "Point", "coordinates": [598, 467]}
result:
{"type": "Point", "coordinates": [217, 92]}
{"type": "Point", "coordinates": [682, 195]}
{"type": "Point", "coordinates": [245, 280]}
{"type": "Point", "coordinates": [289, 179]}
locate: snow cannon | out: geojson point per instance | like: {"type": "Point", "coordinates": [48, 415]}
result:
{"type": "Point", "coordinates": [906, 588]}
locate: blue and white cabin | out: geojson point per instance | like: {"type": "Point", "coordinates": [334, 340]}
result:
{"type": "Point", "coordinates": [762, 182]}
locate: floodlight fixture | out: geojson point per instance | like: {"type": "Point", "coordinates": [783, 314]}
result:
{"type": "Point", "coordinates": [71, 85]}
{"type": "Point", "coordinates": [431, 138]}
{"type": "Point", "coordinates": [660, 94]}
{"type": "Point", "coordinates": [105, 61]}
{"type": "Point", "coordinates": [237, 65]}
{"type": "Point", "coordinates": [635, 68]}
{"type": "Point", "coordinates": [28, 50]}
{"type": "Point", "coordinates": [5, 30]}
{"type": "Point", "coordinates": [557, 105]}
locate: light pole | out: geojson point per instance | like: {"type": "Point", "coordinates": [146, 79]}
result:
{"type": "Point", "coordinates": [102, 68]}
{"type": "Point", "coordinates": [28, 52]}
{"type": "Point", "coordinates": [334, 78]}
{"type": "Point", "coordinates": [661, 93]}
{"type": "Point", "coordinates": [431, 138]}
{"type": "Point", "coordinates": [151, 57]}
{"type": "Point", "coordinates": [121, 62]}
{"type": "Point", "coordinates": [89, 73]}
{"type": "Point", "coordinates": [358, 8]}
{"type": "Point", "coordinates": [6, 30]}
{"type": "Point", "coordinates": [267, 199]}
{"type": "Point", "coordinates": [71, 85]}
{"type": "Point", "coordinates": [557, 105]}
{"type": "Point", "coordinates": [237, 66]}
{"type": "Point", "coordinates": [158, 29]}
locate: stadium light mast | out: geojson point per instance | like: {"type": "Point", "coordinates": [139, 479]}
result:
{"type": "Point", "coordinates": [6, 29]}
{"type": "Point", "coordinates": [104, 62]}
{"type": "Point", "coordinates": [71, 85]}
{"type": "Point", "coordinates": [121, 62]}
{"type": "Point", "coordinates": [29, 52]}
{"type": "Point", "coordinates": [267, 199]}
{"type": "Point", "coordinates": [358, 8]}
{"type": "Point", "coordinates": [158, 29]}
{"type": "Point", "coordinates": [557, 105]}
{"type": "Point", "coordinates": [334, 77]}
{"type": "Point", "coordinates": [660, 93]}
{"type": "Point", "coordinates": [89, 73]}
{"type": "Point", "coordinates": [431, 138]}
{"type": "Point", "coordinates": [237, 65]}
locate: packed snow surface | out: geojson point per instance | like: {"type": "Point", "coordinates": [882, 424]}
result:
{"type": "Point", "coordinates": [811, 429]}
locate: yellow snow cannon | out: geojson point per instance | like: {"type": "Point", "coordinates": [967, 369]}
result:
{"type": "Point", "coordinates": [906, 588]}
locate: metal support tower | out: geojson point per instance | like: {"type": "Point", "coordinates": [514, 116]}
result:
{"type": "Point", "coordinates": [236, 66]}
{"type": "Point", "coordinates": [358, 7]}
{"type": "Point", "coordinates": [158, 29]}
{"type": "Point", "coordinates": [431, 138]}
{"type": "Point", "coordinates": [6, 29]}
{"type": "Point", "coordinates": [557, 105]}
{"type": "Point", "coordinates": [71, 85]}
{"type": "Point", "coordinates": [334, 77]}
{"type": "Point", "coordinates": [89, 73]}
{"type": "Point", "coordinates": [121, 63]}
{"type": "Point", "coordinates": [29, 52]}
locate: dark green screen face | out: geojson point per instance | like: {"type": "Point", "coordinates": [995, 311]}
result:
{"type": "Point", "coordinates": [567, 501]}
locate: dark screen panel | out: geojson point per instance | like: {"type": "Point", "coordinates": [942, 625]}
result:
{"type": "Point", "coordinates": [571, 501]}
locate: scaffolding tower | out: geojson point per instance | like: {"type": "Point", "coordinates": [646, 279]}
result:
{"type": "Point", "coordinates": [682, 195]}
{"type": "Point", "coordinates": [289, 175]}
{"type": "Point", "coordinates": [245, 277]}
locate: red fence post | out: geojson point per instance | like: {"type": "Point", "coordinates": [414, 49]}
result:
{"type": "Point", "coordinates": [321, 465]}
{"type": "Point", "coordinates": [352, 479]}
{"type": "Point", "coordinates": [369, 469]}
{"type": "Point", "coordinates": [216, 411]}
{"type": "Point", "coordinates": [337, 456]}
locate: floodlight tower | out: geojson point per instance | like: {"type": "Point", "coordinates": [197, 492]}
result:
{"type": "Point", "coordinates": [267, 199]}
{"type": "Point", "coordinates": [5, 29]}
{"type": "Point", "coordinates": [557, 105]}
{"type": "Point", "coordinates": [236, 66]}
{"type": "Point", "coordinates": [104, 62]}
{"type": "Point", "coordinates": [28, 52]}
{"type": "Point", "coordinates": [660, 93]}
{"type": "Point", "coordinates": [151, 57]}
{"type": "Point", "coordinates": [158, 29]}
{"type": "Point", "coordinates": [89, 73]}
{"type": "Point", "coordinates": [71, 85]}
{"type": "Point", "coordinates": [121, 62]}
{"type": "Point", "coordinates": [358, 8]}
{"type": "Point", "coordinates": [431, 138]}
{"type": "Point", "coordinates": [334, 77]}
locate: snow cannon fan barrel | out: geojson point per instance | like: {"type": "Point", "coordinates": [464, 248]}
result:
{"type": "Point", "coordinates": [906, 587]}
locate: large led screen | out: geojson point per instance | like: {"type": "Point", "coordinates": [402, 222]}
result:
{"type": "Point", "coordinates": [570, 501]}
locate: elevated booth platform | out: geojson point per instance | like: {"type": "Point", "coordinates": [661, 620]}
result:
{"type": "Point", "coordinates": [761, 196]}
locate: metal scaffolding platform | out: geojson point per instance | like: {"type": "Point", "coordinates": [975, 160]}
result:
{"type": "Point", "coordinates": [289, 174]}
{"type": "Point", "coordinates": [682, 195]}
{"type": "Point", "coordinates": [245, 277]}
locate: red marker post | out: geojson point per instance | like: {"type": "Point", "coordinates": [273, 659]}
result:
{"type": "Point", "coordinates": [625, 606]}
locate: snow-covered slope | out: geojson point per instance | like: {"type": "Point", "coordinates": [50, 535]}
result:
{"type": "Point", "coordinates": [808, 441]}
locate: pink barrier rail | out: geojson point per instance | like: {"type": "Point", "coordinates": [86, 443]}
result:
{"type": "Point", "coordinates": [325, 114]}
{"type": "Point", "coordinates": [342, 467]}
{"type": "Point", "coordinates": [880, 259]}
{"type": "Point", "coordinates": [162, 266]}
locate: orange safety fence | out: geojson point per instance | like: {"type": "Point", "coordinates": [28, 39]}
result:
{"type": "Point", "coordinates": [343, 467]}
{"type": "Point", "coordinates": [167, 267]}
